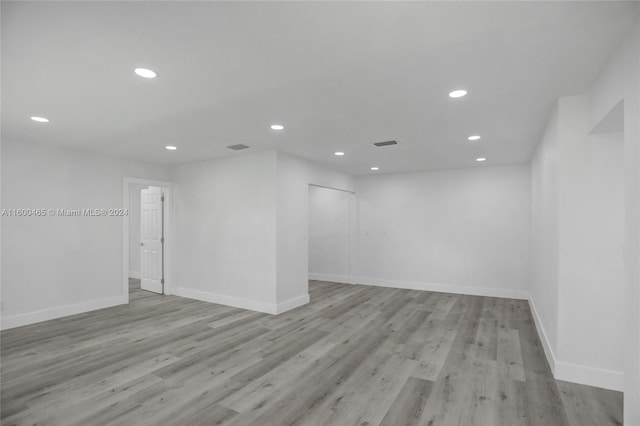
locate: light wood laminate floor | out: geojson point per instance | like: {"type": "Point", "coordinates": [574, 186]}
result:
{"type": "Point", "coordinates": [355, 355]}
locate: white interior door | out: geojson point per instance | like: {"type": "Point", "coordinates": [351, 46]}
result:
{"type": "Point", "coordinates": [151, 244]}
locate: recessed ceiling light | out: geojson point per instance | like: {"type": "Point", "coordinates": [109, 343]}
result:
{"type": "Point", "coordinates": [171, 147]}
{"type": "Point", "coordinates": [473, 138]}
{"type": "Point", "coordinates": [40, 119]}
{"type": "Point", "coordinates": [339, 153]}
{"type": "Point", "coordinates": [457, 93]}
{"type": "Point", "coordinates": [481, 159]}
{"type": "Point", "coordinates": [375, 168]}
{"type": "Point", "coordinates": [145, 72]}
{"type": "Point", "coordinates": [277, 127]}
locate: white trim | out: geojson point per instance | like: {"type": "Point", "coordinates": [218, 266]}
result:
{"type": "Point", "coordinates": [295, 302]}
{"type": "Point", "coordinates": [60, 311]}
{"type": "Point", "coordinates": [134, 274]}
{"type": "Point", "coordinates": [343, 279]}
{"type": "Point", "coordinates": [575, 373]}
{"type": "Point", "coordinates": [169, 235]}
{"type": "Point", "coordinates": [241, 302]}
{"type": "Point", "coordinates": [591, 376]}
{"type": "Point", "coordinates": [507, 293]}
{"type": "Point", "coordinates": [223, 299]}
{"type": "Point", "coordinates": [546, 344]}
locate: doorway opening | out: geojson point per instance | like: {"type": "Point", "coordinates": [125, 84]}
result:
{"type": "Point", "coordinates": [331, 239]}
{"type": "Point", "coordinates": [147, 238]}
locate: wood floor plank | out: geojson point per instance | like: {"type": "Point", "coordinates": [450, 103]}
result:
{"type": "Point", "coordinates": [509, 354]}
{"type": "Point", "coordinates": [263, 391]}
{"type": "Point", "coordinates": [292, 405]}
{"type": "Point", "coordinates": [354, 355]}
{"type": "Point", "coordinates": [408, 406]}
{"type": "Point", "coordinates": [434, 355]}
{"type": "Point", "coordinates": [279, 355]}
{"type": "Point", "coordinates": [384, 371]}
{"type": "Point", "coordinates": [586, 404]}
{"type": "Point", "coordinates": [487, 339]}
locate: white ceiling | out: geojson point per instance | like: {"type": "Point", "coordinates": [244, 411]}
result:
{"type": "Point", "coordinates": [338, 75]}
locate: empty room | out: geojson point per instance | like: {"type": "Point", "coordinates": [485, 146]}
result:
{"type": "Point", "coordinates": [320, 213]}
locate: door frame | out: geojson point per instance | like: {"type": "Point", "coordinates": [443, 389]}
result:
{"type": "Point", "coordinates": [169, 238]}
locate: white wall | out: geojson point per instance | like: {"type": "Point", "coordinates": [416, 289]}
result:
{"type": "Point", "coordinates": [585, 196]}
{"type": "Point", "coordinates": [57, 266]}
{"type": "Point", "coordinates": [591, 237]}
{"type": "Point", "coordinates": [242, 225]}
{"type": "Point", "coordinates": [620, 80]}
{"type": "Point", "coordinates": [330, 212]}
{"type": "Point", "coordinates": [544, 236]}
{"type": "Point", "coordinates": [578, 285]}
{"type": "Point", "coordinates": [464, 231]}
{"type": "Point", "coordinates": [225, 219]}
{"type": "Point", "coordinates": [294, 177]}
{"type": "Point", "coordinates": [134, 229]}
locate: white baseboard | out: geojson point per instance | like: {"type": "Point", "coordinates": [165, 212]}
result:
{"type": "Point", "coordinates": [424, 286]}
{"type": "Point", "coordinates": [546, 344]}
{"type": "Point", "coordinates": [60, 311]}
{"type": "Point", "coordinates": [591, 376]}
{"type": "Point", "coordinates": [575, 373]}
{"type": "Point", "coordinates": [223, 299]}
{"type": "Point", "coordinates": [240, 302]}
{"type": "Point", "coordinates": [134, 274]}
{"type": "Point", "coordinates": [445, 288]}
{"type": "Point", "coordinates": [287, 305]}
{"type": "Point", "coordinates": [343, 279]}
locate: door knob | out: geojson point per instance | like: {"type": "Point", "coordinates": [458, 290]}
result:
{"type": "Point", "coordinates": [141, 244]}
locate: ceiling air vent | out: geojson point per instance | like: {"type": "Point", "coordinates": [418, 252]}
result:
{"type": "Point", "coordinates": [237, 147]}
{"type": "Point", "coordinates": [387, 143]}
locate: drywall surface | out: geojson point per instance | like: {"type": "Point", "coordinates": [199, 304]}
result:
{"type": "Point", "coordinates": [544, 236]}
{"type": "Point", "coordinates": [578, 280]}
{"type": "Point", "coordinates": [134, 230]}
{"type": "Point", "coordinates": [591, 253]}
{"type": "Point", "coordinates": [55, 266]}
{"type": "Point", "coordinates": [294, 177]}
{"type": "Point", "coordinates": [225, 219]}
{"type": "Point", "coordinates": [594, 179]}
{"type": "Point", "coordinates": [461, 230]}
{"type": "Point", "coordinates": [330, 212]}
{"type": "Point", "coordinates": [620, 81]}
